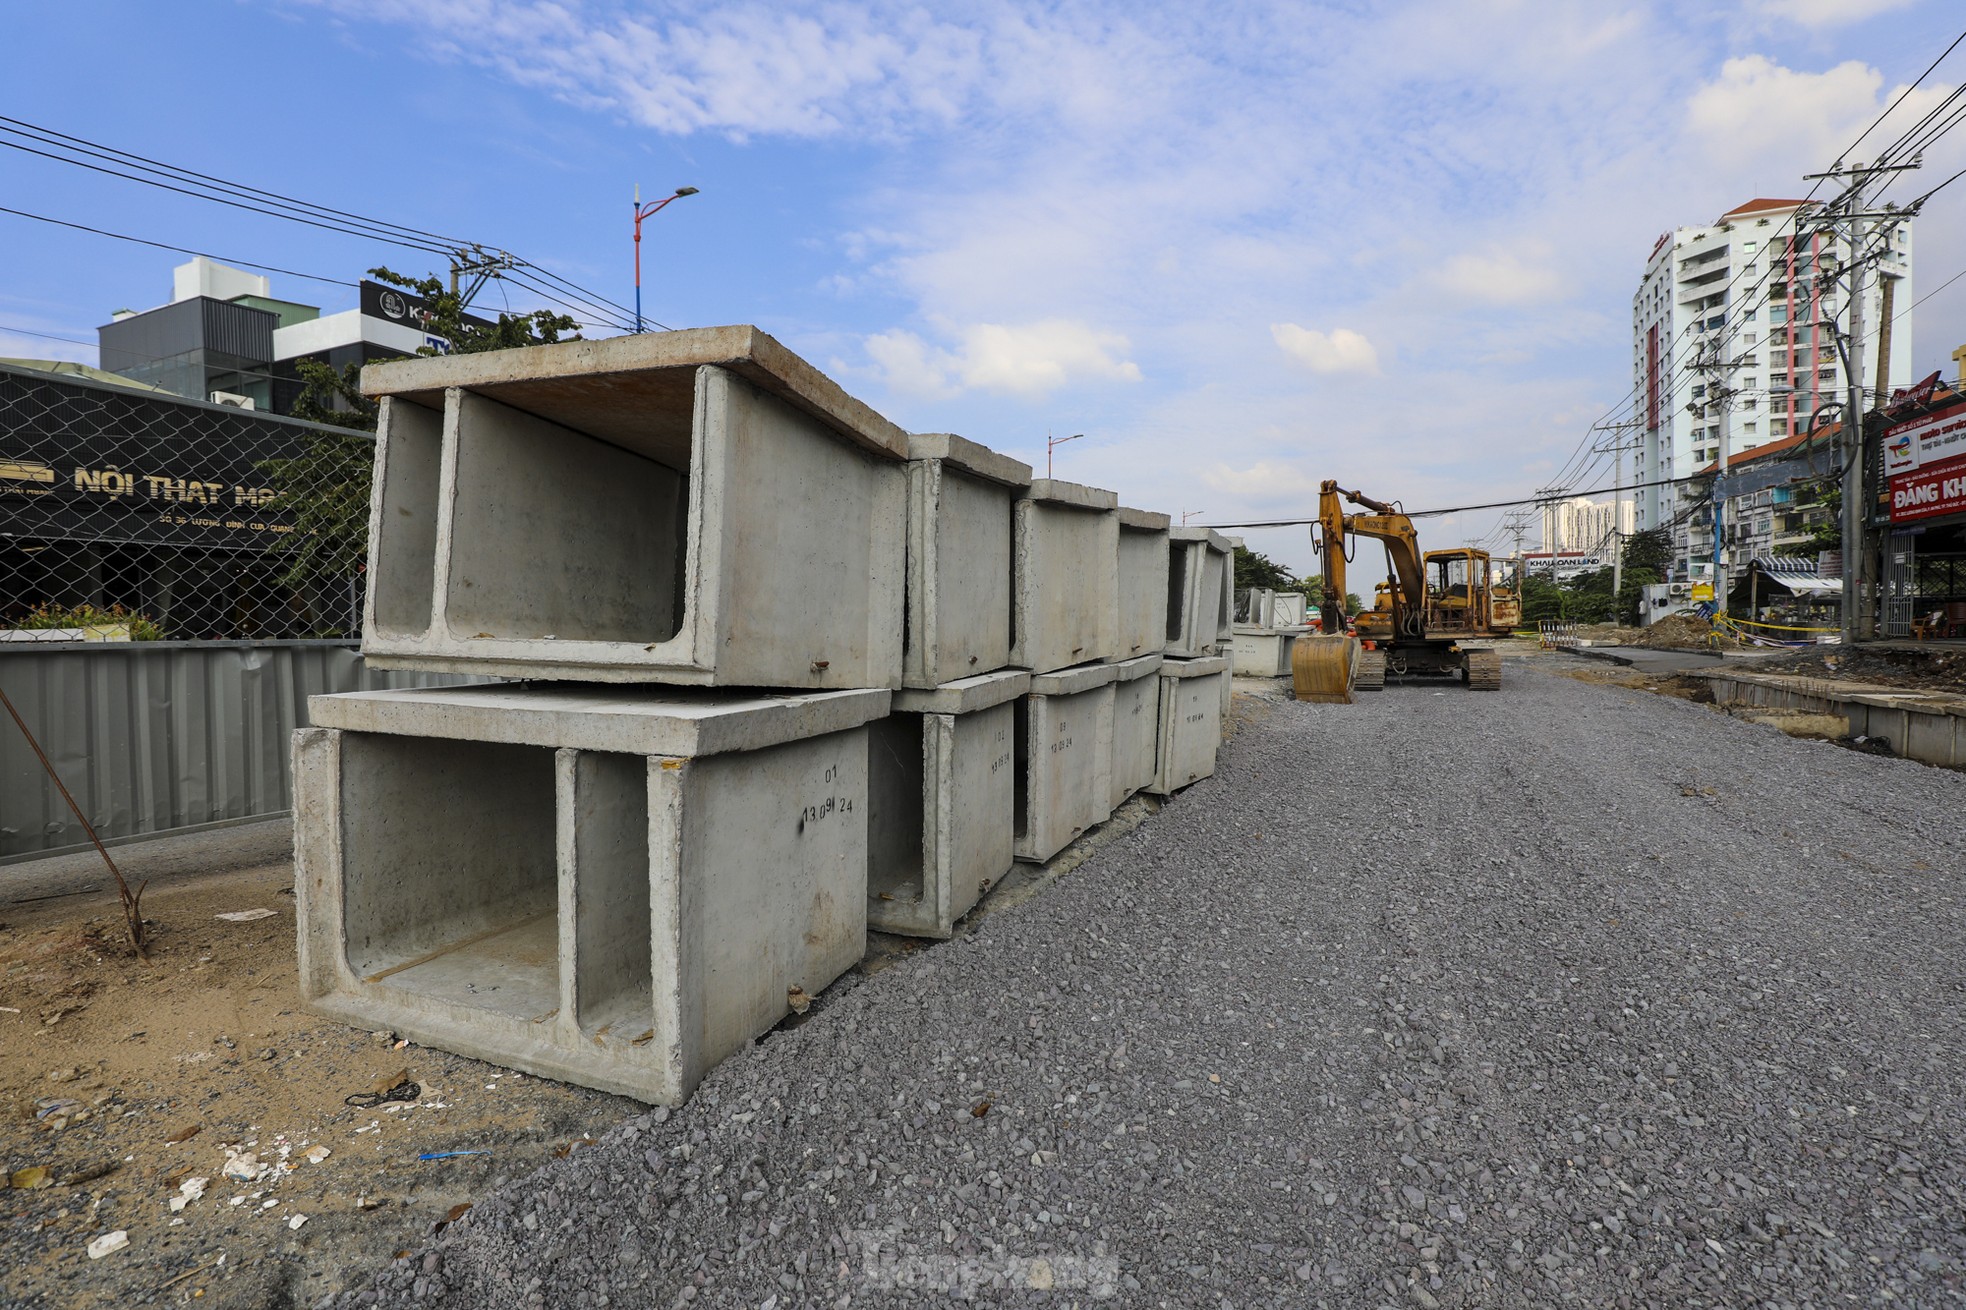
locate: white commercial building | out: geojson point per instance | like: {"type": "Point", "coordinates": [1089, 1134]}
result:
{"type": "Point", "coordinates": [1734, 346]}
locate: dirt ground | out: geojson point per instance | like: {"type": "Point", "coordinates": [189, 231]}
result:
{"type": "Point", "coordinates": [1665, 684]}
{"type": "Point", "coordinates": [1934, 668]}
{"type": "Point", "coordinates": [124, 1079]}
{"type": "Point", "coordinates": [121, 1080]}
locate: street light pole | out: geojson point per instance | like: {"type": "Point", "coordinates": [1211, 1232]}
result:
{"type": "Point", "coordinates": [642, 212]}
{"type": "Point", "coordinates": [1052, 443]}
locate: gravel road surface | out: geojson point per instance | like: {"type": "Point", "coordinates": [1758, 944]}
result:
{"type": "Point", "coordinates": [1563, 996]}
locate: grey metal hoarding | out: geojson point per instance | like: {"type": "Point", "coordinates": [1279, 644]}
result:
{"type": "Point", "coordinates": [153, 736]}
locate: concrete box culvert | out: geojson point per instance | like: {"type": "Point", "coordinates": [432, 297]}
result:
{"type": "Point", "coordinates": [1186, 638]}
{"type": "Point", "coordinates": [1065, 571]}
{"type": "Point", "coordinates": [959, 558]}
{"type": "Point", "coordinates": [1264, 652]}
{"type": "Point", "coordinates": [1144, 575]}
{"type": "Point", "coordinates": [699, 507]}
{"type": "Point", "coordinates": [613, 886]}
{"type": "Point", "coordinates": [1190, 722]}
{"type": "Point", "coordinates": [1063, 742]}
{"type": "Point", "coordinates": [1136, 723]}
{"type": "Point", "coordinates": [1205, 562]}
{"type": "Point", "coordinates": [1260, 652]}
{"type": "Point", "coordinates": [942, 802]}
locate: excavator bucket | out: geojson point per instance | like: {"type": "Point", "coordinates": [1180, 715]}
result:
{"type": "Point", "coordinates": [1324, 669]}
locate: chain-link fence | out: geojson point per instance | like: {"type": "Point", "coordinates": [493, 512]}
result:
{"type": "Point", "coordinates": [132, 513]}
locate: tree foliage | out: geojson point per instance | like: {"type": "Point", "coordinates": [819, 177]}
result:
{"type": "Point", "coordinates": [1255, 569]}
{"type": "Point", "coordinates": [1591, 597]}
{"type": "Point", "coordinates": [325, 488]}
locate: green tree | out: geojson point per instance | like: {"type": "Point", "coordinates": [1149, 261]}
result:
{"type": "Point", "coordinates": [324, 490]}
{"type": "Point", "coordinates": [1255, 569]}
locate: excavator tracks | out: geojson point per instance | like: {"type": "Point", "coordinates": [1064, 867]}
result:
{"type": "Point", "coordinates": [1371, 670]}
{"type": "Point", "coordinates": [1484, 668]}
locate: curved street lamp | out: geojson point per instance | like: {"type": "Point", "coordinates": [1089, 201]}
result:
{"type": "Point", "coordinates": [1052, 443]}
{"type": "Point", "coordinates": [641, 212]}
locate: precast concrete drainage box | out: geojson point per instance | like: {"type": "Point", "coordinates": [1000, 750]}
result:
{"type": "Point", "coordinates": [1065, 560]}
{"type": "Point", "coordinates": [614, 886]}
{"type": "Point", "coordinates": [1190, 723]}
{"type": "Point", "coordinates": [1143, 583]}
{"type": "Point", "coordinates": [1063, 758]}
{"type": "Point", "coordinates": [1201, 578]}
{"type": "Point", "coordinates": [1136, 722]}
{"type": "Point", "coordinates": [1261, 652]}
{"type": "Point", "coordinates": [959, 558]}
{"type": "Point", "coordinates": [697, 507]}
{"type": "Point", "coordinates": [942, 813]}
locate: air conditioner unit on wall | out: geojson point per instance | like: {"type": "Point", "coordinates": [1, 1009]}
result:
{"type": "Point", "coordinates": [233, 399]}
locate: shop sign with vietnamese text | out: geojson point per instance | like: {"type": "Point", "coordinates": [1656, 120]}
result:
{"type": "Point", "coordinates": [1930, 491]}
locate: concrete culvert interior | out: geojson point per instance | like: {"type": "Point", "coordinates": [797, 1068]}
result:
{"type": "Point", "coordinates": [894, 808]}
{"type": "Point", "coordinates": [613, 960]}
{"type": "Point", "coordinates": [557, 533]}
{"type": "Point", "coordinates": [405, 556]}
{"type": "Point", "coordinates": [451, 877]}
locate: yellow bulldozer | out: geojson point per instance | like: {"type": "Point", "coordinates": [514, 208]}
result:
{"type": "Point", "coordinates": [1423, 616]}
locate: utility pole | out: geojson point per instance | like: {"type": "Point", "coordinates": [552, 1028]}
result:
{"type": "Point", "coordinates": [1853, 456]}
{"type": "Point", "coordinates": [1548, 498]}
{"type": "Point", "coordinates": [1615, 443]}
{"type": "Point", "coordinates": [1516, 525]}
{"type": "Point", "coordinates": [482, 265]}
{"type": "Point", "coordinates": [1847, 216]}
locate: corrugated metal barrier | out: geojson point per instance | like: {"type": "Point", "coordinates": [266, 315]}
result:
{"type": "Point", "coordinates": [152, 736]}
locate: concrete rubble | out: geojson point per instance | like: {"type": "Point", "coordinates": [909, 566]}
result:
{"type": "Point", "coordinates": [779, 673]}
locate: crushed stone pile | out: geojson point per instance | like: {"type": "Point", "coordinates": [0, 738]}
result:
{"type": "Point", "coordinates": [1599, 1010]}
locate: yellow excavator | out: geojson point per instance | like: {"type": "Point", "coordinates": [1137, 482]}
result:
{"type": "Point", "coordinates": [1423, 615]}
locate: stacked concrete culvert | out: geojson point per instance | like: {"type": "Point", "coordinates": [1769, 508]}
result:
{"type": "Point", "coordinates": [770, 671]}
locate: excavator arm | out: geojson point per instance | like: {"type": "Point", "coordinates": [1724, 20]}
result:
{"type": "Point", "coordinates": [1385, 524]}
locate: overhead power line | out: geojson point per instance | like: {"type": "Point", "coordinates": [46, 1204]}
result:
{"type": "Point", "coordinates": [111, 154]}
{"type": "Point", "coordinates": [182, 250]}
{"type": "Point", "coordinates": [1463, 509]}
{"type": "Point", "coordinates": [62, 147]}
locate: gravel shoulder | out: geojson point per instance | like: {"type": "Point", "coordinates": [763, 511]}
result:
{"type": "Point", "coordinates": [1566, 995]}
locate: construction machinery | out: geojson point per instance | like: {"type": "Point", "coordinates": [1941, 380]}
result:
{"type": "Point", "coordinates": [1425, 613]}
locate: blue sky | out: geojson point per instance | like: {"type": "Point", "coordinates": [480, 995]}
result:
{"type": "Point", "coordinates": [1242, 247]}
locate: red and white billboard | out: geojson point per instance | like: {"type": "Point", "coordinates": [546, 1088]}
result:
{"type": "Point", "coordinates": [1930, 490]}
{"type": "Point", "coordinates": [1925, 442]}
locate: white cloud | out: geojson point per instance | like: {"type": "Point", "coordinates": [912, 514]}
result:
{"type": "Point", "coordinates": [1503, 277]}
{"type": "Point", "coordinates": [1340, 350]}
{"type": "Point", "coordinates": [1030, 360]}
{"type": "Point", "coordinates": [1829, 13]}
{"type": "Point", "coordinates": [1481, 187]}
{"type": "Point", "coordinates": [1766, 121]}
{"type": "Point", "coordinates": [1266, 481]}
{"type": "Point", "coordinates": [866, 69]}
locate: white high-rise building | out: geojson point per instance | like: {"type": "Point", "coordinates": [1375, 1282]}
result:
{"type": "Point", "coordinates": [1589, 525]}
{"type": "Point", "coordinates": [1733, 343]}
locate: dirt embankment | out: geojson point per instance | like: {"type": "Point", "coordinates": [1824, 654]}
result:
{"type": "Point", "coordinates": [1679, 632]}
{"type": "Point", "coordinates": [1935, 668]}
